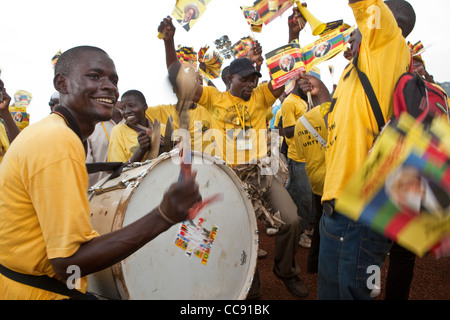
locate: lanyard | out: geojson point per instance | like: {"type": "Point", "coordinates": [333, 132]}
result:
{"type": "Point", "coordinates": [241, 119]}
{"type": "Point", "coordinates": [106, 132]}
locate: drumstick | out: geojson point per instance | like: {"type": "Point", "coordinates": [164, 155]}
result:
{"type": "Point", "coordinates": [195, 209]}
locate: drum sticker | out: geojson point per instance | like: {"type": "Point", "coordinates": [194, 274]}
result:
{"type": "Point", "coordinates": [196, 240]}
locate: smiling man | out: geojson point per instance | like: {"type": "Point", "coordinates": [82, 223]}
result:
{"type": "Point", "coordinates": [45, 217]}
{"type": "Point", "coordinates": [128, 142]}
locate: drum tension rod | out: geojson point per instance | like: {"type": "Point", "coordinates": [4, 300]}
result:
{"type": "Point", "coordinates": [120, 185]}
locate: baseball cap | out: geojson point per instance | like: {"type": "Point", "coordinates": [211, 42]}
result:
{"type": "Point", "coordinates": [243, 67]}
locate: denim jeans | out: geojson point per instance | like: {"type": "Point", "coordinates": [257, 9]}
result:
{"type": "Point", "coordinates": [300, 191]}
{"type": "Point", "coordinates": [347, 249]}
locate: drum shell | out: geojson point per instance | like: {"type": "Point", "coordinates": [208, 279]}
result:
{"type": "Point", "coordinates": [161, 269]}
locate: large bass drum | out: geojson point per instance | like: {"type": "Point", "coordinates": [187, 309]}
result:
{"type": "Point", "coordinates": [211, 257]}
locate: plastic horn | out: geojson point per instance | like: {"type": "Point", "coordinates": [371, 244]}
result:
{"type": "Point", "coordinates": [317, 26]}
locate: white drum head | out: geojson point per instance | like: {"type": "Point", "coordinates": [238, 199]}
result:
{"type": "Point", "coordinates": [212, 257]}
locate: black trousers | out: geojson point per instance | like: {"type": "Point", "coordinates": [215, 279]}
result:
{"type": "Point", "coordinates": [400, 273]}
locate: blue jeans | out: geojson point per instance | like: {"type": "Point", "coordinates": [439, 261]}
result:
{"type": "Point", "coordinates": [347, 249]}
{"type": "Point", "coordinates": [300, 191]}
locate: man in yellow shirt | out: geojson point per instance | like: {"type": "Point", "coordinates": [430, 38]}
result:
{"type": "Point", "coordinates": [45, 217]}
{"type": "Point", "coordinates": [130, 143]}
{"type": "Point", "coordinates": [347, 248]}
{"type": "Point", "coordinates": [240, 113]}
{"type": "Point", "coordinates": [298, 186]}
{"type": "Point", "coordinates": [310, 142]}
{"type": "Point", "coordinates": [8, 130]}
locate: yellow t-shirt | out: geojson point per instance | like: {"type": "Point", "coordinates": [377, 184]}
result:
{"type": "Point", "coordinates": [4, 141]}
{"type": "Point", "coordinates": [384, 56]}
{"type": "Point", "coordinates": [308, 147]}
{"type": "Point", "coordinates": [44, 206]}
{"type": "Point", "coordinates": [292, 108]}
{"type": "Point", "coordinates": [277, 117]}
{"type": "Point", "coordinates": [233, 114]}
{"type": "Point", "coordinates": [124, 143]}
{"type": "Point", "coordinates": [199, 123]}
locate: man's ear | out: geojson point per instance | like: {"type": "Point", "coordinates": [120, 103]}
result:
{"type": "Point", "coordinates": [60, 83]}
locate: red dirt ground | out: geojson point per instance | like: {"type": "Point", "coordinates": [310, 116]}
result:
{"type": "Point", "coordinates": [431, 276]}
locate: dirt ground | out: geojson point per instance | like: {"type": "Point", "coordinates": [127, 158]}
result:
{"type": "Point", "coordinates": [431, 276]}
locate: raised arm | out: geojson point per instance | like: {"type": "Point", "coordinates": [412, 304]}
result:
{"type": "Point", "coordinates": [167, 29]}
{"type": "Point", "coordinates": [294, 30]}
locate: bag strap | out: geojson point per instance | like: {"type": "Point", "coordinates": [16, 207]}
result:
{"type": "Point", "coordinates": [45, 283]}
{"type": "Point", "coordinates": [370, 95]}
{"type": "Point", "coordinates": [115, 167]}
{"type": "Point", "coordinates": [313, 131]}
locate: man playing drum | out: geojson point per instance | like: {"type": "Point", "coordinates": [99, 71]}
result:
{"type": "Point", "coordinates": [45, 227]}
{"type": "Point", "coordinates": [240, 114]}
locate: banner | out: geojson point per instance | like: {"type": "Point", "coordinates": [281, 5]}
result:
{"type": "Point", "coordinates": [326, 47]}
{"type": "Point", "coordinates": [212, 63]}
{"type": "Point", "coordinates": [187, 55]}
{"type": "Point", "coordinates": [285, 63]}
{"type": "Point", "coordinates": [240, 49]}
{"type": "Point", "coordinates": [403, 189]}
{"type": "Point", "coordinates": [264, 11]}
{"type": "Point", "coordinates": [289, 60]}
{"type": "Point", "coordinates": [187, 12]}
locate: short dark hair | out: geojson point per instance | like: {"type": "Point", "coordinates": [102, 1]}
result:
{"type": "Point", "coordinates": [68, 58]}
{"type": "Point", "coordinates": [135, 93]}
{"type": "Point", "coordinates": [404, 14]}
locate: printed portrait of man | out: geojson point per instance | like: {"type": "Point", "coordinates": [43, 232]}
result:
{"type": "Point", "coordinates": [410, 190]}
{"type": "Point", "coordinates": [191, 12]}
{"type": "Point", "coordinates": [287, 63]}
{"type": "Point", "coordinates": [322, 49]}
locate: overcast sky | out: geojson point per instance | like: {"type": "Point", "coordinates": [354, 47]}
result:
{"type": "Point", "coordinates": [34, 30]}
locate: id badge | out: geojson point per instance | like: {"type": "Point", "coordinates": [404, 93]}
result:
{"type": "Point", "coordinates": [244, 144]}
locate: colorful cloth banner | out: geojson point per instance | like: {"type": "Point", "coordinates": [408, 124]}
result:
{"type": "Point", "coordinates": [212, 63]}
{"type": "Point", "coordinates": [56, 57]}
{"type": "Point", "coordinates": [403, 189]}
{"type": "Point", "coordinates": [241, 48]}
{"type": "Point", "coordinates": [187, 12]}
{"type": "Point", "coordinates": [416, 48]}
{"type": "Point", "coordinates": [264, 11]}
{"type": "Point", "coordinates": [289, 60]}
{"type": "Point", "coordinates": [187, 55]}
{"type": "Point", "coordinates": [326, 47]}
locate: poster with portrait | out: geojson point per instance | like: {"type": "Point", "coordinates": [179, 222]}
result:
{"type": "Point", "coordinates": [326, 47]}
{"type": "Point", "coordinates": [403, 189]}
{"type": "Point", "coordinates": [187, 12]}
{"type": "Point", "coordinates": [264, 11]}
{"type": "Point", "coordinates": [284, 63]}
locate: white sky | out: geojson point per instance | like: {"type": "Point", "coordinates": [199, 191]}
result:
{"type": "Point", "coordinates": [34, 30]}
